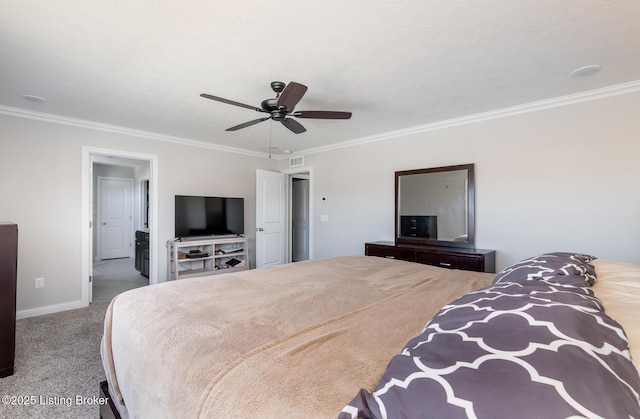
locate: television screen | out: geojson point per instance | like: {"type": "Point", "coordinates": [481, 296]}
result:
{"type": "Point", "coordinates": [208, 216]}
{"type": "Point", "coordinates": [425, 226]}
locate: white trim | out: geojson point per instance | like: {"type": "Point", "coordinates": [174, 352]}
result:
{"type": "Point", "coordinates": [40, 311]}
{"type": "Point", "coordinates": [63, 120]}
{"type": "Point", "coordinates": [87, 204]}
{"type": "Point", "coordinates": [587, 96]}
{"type": "Point", "coordinates": [615, 90]}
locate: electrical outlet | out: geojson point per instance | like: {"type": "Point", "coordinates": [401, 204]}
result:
{"type": "Point", "coordinates": [39, 282]}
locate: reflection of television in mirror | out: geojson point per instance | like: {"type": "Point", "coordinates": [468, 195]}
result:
{"type": "Point", "coordinates": [201, 216]}
{"type": "Point", "coordinates": [423, 226]}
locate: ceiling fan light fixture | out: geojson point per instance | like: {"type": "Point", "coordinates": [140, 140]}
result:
{"type": "Point", "coordinates": [587, 70]}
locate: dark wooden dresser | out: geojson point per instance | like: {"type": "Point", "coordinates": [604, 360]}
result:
{"type": "Point", "coordinates": [8, 278]}
{"type": "Point", "coordinates": [449, 257]}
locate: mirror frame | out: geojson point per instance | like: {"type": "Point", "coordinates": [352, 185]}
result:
{"type": "Point", "coordinates": [470, 243]}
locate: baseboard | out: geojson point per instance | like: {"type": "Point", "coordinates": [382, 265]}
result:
{"type": "Point", "coordinates": [32, 312]}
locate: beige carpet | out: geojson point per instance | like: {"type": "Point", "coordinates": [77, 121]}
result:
{"type": "Point", "coordinates": [57, 364]}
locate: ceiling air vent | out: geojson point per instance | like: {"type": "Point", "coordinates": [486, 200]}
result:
{"type": "Point", "coordinates": [296, 161]}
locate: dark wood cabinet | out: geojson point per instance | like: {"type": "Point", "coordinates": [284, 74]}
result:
{"type": "Point", "coordinates": [8, 278]}
{"type": "Point", "coordinates": [142, 252]}
{"type": "Point", "coordinates": [448, 257]}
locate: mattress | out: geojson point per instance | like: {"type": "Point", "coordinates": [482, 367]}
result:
{"type": "Point", "coordinates": [295, 340]}
{"type": "Point", "coordinates": [371, 337]}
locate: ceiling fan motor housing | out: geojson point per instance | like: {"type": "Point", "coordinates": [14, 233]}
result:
{"type": "Point", "coordinates": [269, 105]}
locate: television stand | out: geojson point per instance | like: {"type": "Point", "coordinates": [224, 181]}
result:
{"type": "Point", "coordinates": [223, 255]}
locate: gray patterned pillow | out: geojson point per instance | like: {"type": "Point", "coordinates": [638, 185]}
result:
{"type": "Point", "coordinates": [549, 265]}
{"type": "Point", "coordinates": [540, 348]}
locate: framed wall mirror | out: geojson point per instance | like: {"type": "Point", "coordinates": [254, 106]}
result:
{"type": "Point", "coordinates": [435, 206]}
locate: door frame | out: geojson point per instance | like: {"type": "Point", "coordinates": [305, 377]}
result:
{"type": "Point", "coordinates": [290, 174]}
{"type": "Point", "coordinates": [99, 213]}
{"type": "Point", "coordinates": [87, 215]}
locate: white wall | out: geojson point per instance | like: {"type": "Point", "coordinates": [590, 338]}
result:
{"type": "Point", "coordinates": [41, 190]}
{"type": "Point", "coordinates": [560, 179]}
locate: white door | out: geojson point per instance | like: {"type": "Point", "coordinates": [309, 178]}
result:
{"type": "Point", "coordinates": [115, 218]}
{"type": "Point", "coordinates": [299, 219]}
{"type": "Point", "coordinates": [270, 218]}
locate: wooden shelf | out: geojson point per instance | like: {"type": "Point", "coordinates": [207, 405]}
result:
{"type": "Point", "coordinates": [220, 251]}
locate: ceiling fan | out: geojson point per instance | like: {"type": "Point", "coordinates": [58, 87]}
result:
{"type": "Point", "coordinates": [281, 108]}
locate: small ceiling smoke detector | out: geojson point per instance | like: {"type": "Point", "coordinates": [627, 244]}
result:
{"type": "Point", "coordinates": [33, 98]}
{"type": "Point", "coordinates": [587, 70]}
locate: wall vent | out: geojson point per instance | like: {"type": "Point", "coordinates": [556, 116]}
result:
{"type": "Point", "coordinates": [296, 161]}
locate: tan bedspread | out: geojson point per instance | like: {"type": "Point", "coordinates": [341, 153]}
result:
{"type": "Point", "coordinates": [297, 340]}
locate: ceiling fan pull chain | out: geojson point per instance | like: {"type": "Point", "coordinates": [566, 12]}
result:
{"type": "Point", "coordinates": [270, 129]}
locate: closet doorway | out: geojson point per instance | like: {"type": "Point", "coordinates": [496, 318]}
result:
{"type": "Point", "coordinates": [299, 206]}
{"type": "Point", "coordinates": [300, 226]}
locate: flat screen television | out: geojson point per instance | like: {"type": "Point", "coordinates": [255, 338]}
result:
{"type": "Point", "coordinates": [424, 226]}
{"type": "Point", "coordinates": [201, 216]}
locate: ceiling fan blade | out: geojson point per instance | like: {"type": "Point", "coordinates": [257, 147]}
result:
{"type": "Point", "coordinates": [230, 102]}
{"type": "Point", "coordinates": [293, 125]}
{"type": "Point", "coordinates": [322, 114]}
{"type": "Point", "coordinates": [291, 95]}
{"type": "Point", "coordinates": [247, 124]}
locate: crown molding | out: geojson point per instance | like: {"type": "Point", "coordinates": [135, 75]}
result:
{"type": "Point", "coordinates": [81, 123]}
{"type": "Point", "coordinates": [615, 90]}
{"type": "Point", "coordinates": [590, 95]}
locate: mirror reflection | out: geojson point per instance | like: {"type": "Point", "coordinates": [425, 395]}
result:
{"type": "Point", "coordinates": [434, 206]}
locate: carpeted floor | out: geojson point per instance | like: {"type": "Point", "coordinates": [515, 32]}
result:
{"type": "Point", "coordinates": [57, 364]}
{"type": "Point", "coordinates": [58, 360]}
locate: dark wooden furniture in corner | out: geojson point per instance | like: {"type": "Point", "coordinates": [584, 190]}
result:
{"type": "Point", "coordinates": [108, 410]}
{"type": "Point", "coordinates": [142, 252]}
{"type": "Point", "coordinates": [8, 278]}
{"type": "Point", "coordinates": [449, 257]}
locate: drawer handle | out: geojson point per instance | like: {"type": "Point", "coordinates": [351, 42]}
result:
{"type": "Point", "coordinates": [390, 257]}
{"type": "Point", "coordinates": [445, 264]}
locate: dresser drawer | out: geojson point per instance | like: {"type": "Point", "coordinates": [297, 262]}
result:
{"type": "Point", "coordinates": [469, 263]}
{"type": "Point", "coordinates": [390, 252]}
{"type": "Point", "coordinates": [455, 258]}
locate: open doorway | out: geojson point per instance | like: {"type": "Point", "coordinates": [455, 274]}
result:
{"type": "Point", "coordinates": [299, 204]}
{"type": "Point", "coordinates": [120, 198]}
{"type": "Point", "coordinates": [276, 210]}
{"type": "Point", "coordinates": [120, 207]}
{"type": "Point", "coordinates": [299, 221]}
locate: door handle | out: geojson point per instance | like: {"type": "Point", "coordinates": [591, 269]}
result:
{"type": "Point", "coordinates": [259, 229]}
{"type": "Point", "coordinates": [104, 223]}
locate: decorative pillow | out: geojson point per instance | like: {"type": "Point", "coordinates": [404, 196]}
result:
{"type": "Point", "coordinates": [528, 349]}
{"type": "Point", "coordinates": [549, 265]}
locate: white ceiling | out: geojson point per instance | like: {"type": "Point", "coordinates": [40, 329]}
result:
{"type": "Point", "coordinates": [142, 64]}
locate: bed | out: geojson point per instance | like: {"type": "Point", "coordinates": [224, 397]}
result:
{"type": "Point", "coordinates": [341, 337]}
